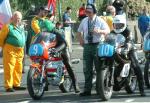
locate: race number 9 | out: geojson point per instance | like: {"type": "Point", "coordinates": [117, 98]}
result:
{"type": "Point", "coordinates": [35, 49]}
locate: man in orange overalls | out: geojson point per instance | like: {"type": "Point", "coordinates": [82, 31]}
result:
{"type": "Point", "coordinates": [12, 40]}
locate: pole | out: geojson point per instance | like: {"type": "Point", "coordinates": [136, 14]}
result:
{"type": "Point", "coordinates": [59, 9]}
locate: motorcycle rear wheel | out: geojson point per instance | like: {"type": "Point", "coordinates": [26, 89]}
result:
{"type": "Point", "coordinates": [104, 88]}
{"type": "Point", "coordinates": [35, 88]}
{"type": "Point", "coordinates": [131, 82]}
{"type": "Point", "coordinates": [66, 85]}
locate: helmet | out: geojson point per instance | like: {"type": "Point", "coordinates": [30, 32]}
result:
{"type": "Point", "coordinates": [119, 23]}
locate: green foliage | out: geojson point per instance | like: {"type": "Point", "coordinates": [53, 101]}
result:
{"type": "Point", "coordinates": [25, 5]}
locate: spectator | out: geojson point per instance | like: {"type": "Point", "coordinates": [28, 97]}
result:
{"type": "Point", "coordinates": [38, 24]}
{"type": "Point", "coordinates": [81, 12]}
{"type": "Point", "coordinates": [144, 22]}
{"type": "Point", "coordinates": [93, 28]}
{"type": "Point", "coordinates": [13, 41]}
{"type": "Point", "coordinates": [67, 21]}
{"type": "Point", "coordinates": [59, 27]}
{"type": "Point", "coordinates": [67, 18]}
{"type": "Point", "coordinates": [110, 14]}
{"type": "Point", "coordinates": [41, 22]}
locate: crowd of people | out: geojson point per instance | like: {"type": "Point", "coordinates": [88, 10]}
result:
{"type": "Point", "coordinates": [13, 40]}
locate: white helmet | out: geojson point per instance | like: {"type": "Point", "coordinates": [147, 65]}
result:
{"type": "Point", "coordinates": [119, 23]}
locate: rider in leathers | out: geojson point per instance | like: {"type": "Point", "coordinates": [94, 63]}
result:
{"type": "Point", "coordinates": [120, 27]}
{"type": "Point", "coordinates": [41, 23]}
{"type": "Point", "coordinates": [61, 46]}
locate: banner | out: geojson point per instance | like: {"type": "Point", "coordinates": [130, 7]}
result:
{"type": "Point", "coordinates": [52, 5]}
{"type": "Point", "coordinates": [5, 12]}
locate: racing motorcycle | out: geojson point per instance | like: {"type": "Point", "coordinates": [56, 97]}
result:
{"type": "Point", "coordinates": [146, 48]}
{"type": "Point", "coordinates": [47, 67]}
{"type": "Point", "coordinates": [116, 71]}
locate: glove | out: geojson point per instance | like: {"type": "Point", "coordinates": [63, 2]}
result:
{"type": "Point", "coordinates": [122, 51]}
{"type": "Point", "coordinates": [119, 50]}
{"type": "Point", "coordinates": [52, 51]}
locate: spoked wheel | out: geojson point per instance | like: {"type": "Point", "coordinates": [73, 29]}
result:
{"type": "Point", "coordinates": [104, 86]}
{"type": "Point", "coordinates": [35, 88]}
{"type": "Point", "coordinates": [147, 74]}
{"type": "Point", "coordinates": [132, 82]}
{"type": "Point", "coordinates": [94, 77]}
{"type": "Point", "coordinates": [65, 84]}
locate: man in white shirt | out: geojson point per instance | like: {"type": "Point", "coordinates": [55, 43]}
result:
{"type": "Point", "coordinates": [90, 32]}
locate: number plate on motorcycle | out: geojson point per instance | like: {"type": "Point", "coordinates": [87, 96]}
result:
{"type": "Point", "coordinates": [105, 50]}
{"type": "Point", "coordinates": [125, 70]}
{"type": "Point", "coordinates": [36, 50]}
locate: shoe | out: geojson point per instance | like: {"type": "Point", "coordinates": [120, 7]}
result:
{"type": "Point", "coordinates": [10, 90]}
{"type": "Point", "coordinates": [85, 93]}
{"type": "Point", "coordinates": [142, 94]}
{"type": "Point", "coordinates": [77, 89]}
{"type": "Point", "coordinates": [46, 88]}
{"type": "Point", "coordinates": [19, 88]}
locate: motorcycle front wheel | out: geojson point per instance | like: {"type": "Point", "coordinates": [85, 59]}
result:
{"type": "Point", "coordinates": [104, 87]}
{"type": "Point", "coordinates": [35, 88]}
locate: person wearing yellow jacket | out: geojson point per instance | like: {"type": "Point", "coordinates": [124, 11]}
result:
{"type": "Point", "coordinates": [41, 22]}
{"type": "Point", "coordinates": [12, 40]}
{"type": "Point", "coordinates": [38, 24]}
{"type": "Point", "coordinates": [110, 14]}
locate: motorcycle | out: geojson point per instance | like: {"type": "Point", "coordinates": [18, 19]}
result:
{"type": "Point", "coordinates": [116, 71]}
{"type": "Point", "coordinates": [146, 48]}
{"type": "Point", "coordinates": [47, 67]}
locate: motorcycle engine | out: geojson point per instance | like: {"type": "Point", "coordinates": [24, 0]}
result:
{"type": "Point", "coordinates": [55, 71]}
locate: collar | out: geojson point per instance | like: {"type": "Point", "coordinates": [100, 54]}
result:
{"type": "Point", "coordinates": [42, 18]}
{"type": "Point", "coordinates": [94, 17]}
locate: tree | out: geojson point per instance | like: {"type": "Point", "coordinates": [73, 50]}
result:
{"type": "Point", "coordinates": [25, 5]}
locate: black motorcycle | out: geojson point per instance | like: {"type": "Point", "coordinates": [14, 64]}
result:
{"type": "Point", "coordinates": [115, 71]}
{"type": "Point", "coordinates": [147, 56]}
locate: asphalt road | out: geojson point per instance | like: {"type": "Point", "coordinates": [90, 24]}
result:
{"type": "Point", "coordinates": [54, 95]}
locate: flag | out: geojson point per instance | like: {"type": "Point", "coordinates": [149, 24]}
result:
{"type": "Point", "coordinates": [52, 5]}
{"type": "Point", "coordinates": [5, 12]}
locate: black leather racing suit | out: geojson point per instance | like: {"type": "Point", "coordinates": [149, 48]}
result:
{"type": "Point", "coordinates": [133, 57]}
{"type": "Point", "coordinates": [62, 46]}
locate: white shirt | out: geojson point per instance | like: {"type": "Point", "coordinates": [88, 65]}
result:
{"type": "Point", "coordinates": [99, 24]}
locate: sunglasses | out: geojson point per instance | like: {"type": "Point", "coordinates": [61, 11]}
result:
{"type": "Point", "coordinates": [88, 12]}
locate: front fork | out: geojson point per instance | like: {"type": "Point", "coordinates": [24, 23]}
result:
{"type": "Point", "coordinates": [42, 75]}
{"type": "Point", "coordinates": [112, 69]}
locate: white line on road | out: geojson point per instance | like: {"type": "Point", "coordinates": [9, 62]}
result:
{"type": "Point", "coordinates": [129, 100]}
{"type": "Point", "coordinates": [78, 48]}
{"type": "Point", "coordinates": [24, 102]}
